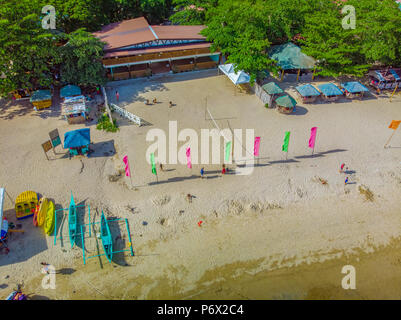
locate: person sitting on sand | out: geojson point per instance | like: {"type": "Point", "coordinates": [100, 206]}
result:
{"type": "Point", "coordinates": [171, 104]}
{"type": "Point", "coordinates": [154, 100]}
{"type": "Point", "coordinates": [147, 102]}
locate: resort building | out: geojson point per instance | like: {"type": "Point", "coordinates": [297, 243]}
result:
{"type": "Point", "coordinates": [136, 49]}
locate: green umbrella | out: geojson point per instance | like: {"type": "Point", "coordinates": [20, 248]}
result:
{"type": "Point", "coordinates": [286, 101]}
{"type": "Point", "coordinates": [272, 88]}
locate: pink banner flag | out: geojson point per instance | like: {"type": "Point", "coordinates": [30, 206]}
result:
{"type": "Point", "coordinates": [312, 137]}
{"type": "Point", "coordinates": [127, 170]}
{"type": "Point", "coordinates": [189, 164]}
{"type": "Point", "coordinates": [256, 146]}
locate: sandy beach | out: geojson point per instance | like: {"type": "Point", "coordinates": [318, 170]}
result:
{"type": "Point", "coordinates": [278, 233]}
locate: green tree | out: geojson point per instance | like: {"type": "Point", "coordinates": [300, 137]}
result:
{"type": "Point", "coordinates": [27, 51]}
{"type": "Point", "coordinates": [81, 59]}
{"type": "Point", "coordinates": [238, 30]}
{"type": "Point", "coordinates": [156, 10]}
{"type": "Point", "coordinates": [191, 12]}
{"type": "Point", "coordinates": [378, 27]}
{"type": "Point", "coordinates": [338, 51]}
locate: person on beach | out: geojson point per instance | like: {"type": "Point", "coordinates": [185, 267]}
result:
{"type": "Point", "coordinates": [223, 170]}
{"type": "Point", "coordinates": [342, 168]}
{"type": "Point", "coordinates": [189, 198]}
{"type": "Point", "coordinates": [346, 181]}
{"type": "Point", "coordinates": [117, 96]}
{"type": "Point", "coordinates": [161, 167]}
{"type": "Point", "coordinates": [202, 172]}
{"type": "Point", "coordinates": [154, 100]}
{"type": "Point", "coordinates": [45, 267]}
{"type": "Point", "coordinates": [171, 104]}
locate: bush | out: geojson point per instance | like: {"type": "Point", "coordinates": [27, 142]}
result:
{"type": "Point", "coordinates": [104, 123]}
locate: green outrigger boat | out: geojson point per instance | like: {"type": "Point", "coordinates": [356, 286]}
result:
{"type": "Point", "coordinates": [107, 239]}
{"type": "Point", "coordinates": [72, 221]}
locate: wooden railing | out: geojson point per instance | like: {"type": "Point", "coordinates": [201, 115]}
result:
{"type": "Point", "coordinates": [206, 65]}
{"type": "Point", "coordinates": [140, 73]}
{"type": "Point", "coordinates": [183, 67]}
{"type": "Point", "coordinates": [154, 56]}
{"type": "Point", "coordinates": [121, 75]}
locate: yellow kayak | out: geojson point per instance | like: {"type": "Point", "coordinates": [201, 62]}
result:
{"type": "Point", "coordinates": [49, 222]}
{"type": "Point", "coordinates": [43, 204]}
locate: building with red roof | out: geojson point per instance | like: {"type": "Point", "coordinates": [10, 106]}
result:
{"type": "Point", "coordinates": [134, 49]}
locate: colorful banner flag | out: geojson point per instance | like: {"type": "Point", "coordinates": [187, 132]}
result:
{"type": "Point", "coordinates": [152, 162]}
{"type": "Point", "coordinates": [189, 164]}
{"type": "Point", "coordinates": [127, 170]}
{"type": "Point", "coordinates": [286, 141]}
{"type": "Point", "coordinates": [228, 149]}
{"type": "Point", "coordinates": [312, 138]}
{"type": "Point", "coordinates": [256, 146]}
{"type": "Point", "coordinates": [394, 124]}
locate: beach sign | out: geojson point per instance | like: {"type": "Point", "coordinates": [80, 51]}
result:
{"type": "Point", "coordinates": [55, 138]}
{"type": "Point", "coordinates": [46, 147]}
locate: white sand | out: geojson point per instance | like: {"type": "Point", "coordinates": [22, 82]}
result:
{"type": "Point", "coordinates": [278, 216]}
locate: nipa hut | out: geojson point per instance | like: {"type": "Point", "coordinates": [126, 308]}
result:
{"type": "Point", "coordinates": [308, 93]}
{"type": "Point", "coordinates": [354, 89]}
{"type": "Point", "coordinates": [285, 104]}
{"type": "Point", "coordinates": [330, 92]}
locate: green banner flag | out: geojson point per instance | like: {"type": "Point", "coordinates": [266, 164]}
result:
{"type": "Point", "coordinates": [228, 149]}
{"type": "Point", "coordinates": [152, 162]}
{"type": "Point", "coordinates": [286, 141]}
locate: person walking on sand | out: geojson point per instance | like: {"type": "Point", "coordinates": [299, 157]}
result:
{"type": "Point", "coordinates": [346, 181]}
{"type": "Point", "coordinates": [171, 104]}
{"type": "Point", "coordinates": [45, 267]}
{"type": "Point", "coordinates": [117, 96]}
{"type": "Point", "coordinates": [161, 167]}
{"type": "Point", "coordinates": [202, 171]}
{"type": "Point", "coordinates": [223, 170]}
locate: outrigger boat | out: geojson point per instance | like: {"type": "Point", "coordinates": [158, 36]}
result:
{"type": "Point", "coordinates": [52, 219]}
{"type": "Point", "coordinates": [72, 221]}
{"type": "Point", "coordinates": [107, 239]}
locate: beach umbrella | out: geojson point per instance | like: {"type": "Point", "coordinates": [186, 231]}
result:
{"type": "Point", "coordinates": [77, 138]}
{"type": "Point", "coordinates": [70, 90]}
{"type": "Point", "coordinates": [286, 101]}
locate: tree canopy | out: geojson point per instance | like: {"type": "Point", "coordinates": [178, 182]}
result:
{"type": "Point", "coordinates": [243, 30]}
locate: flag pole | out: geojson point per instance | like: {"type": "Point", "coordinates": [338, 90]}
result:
{"type": "Point", "coordinates": [388, 141]}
